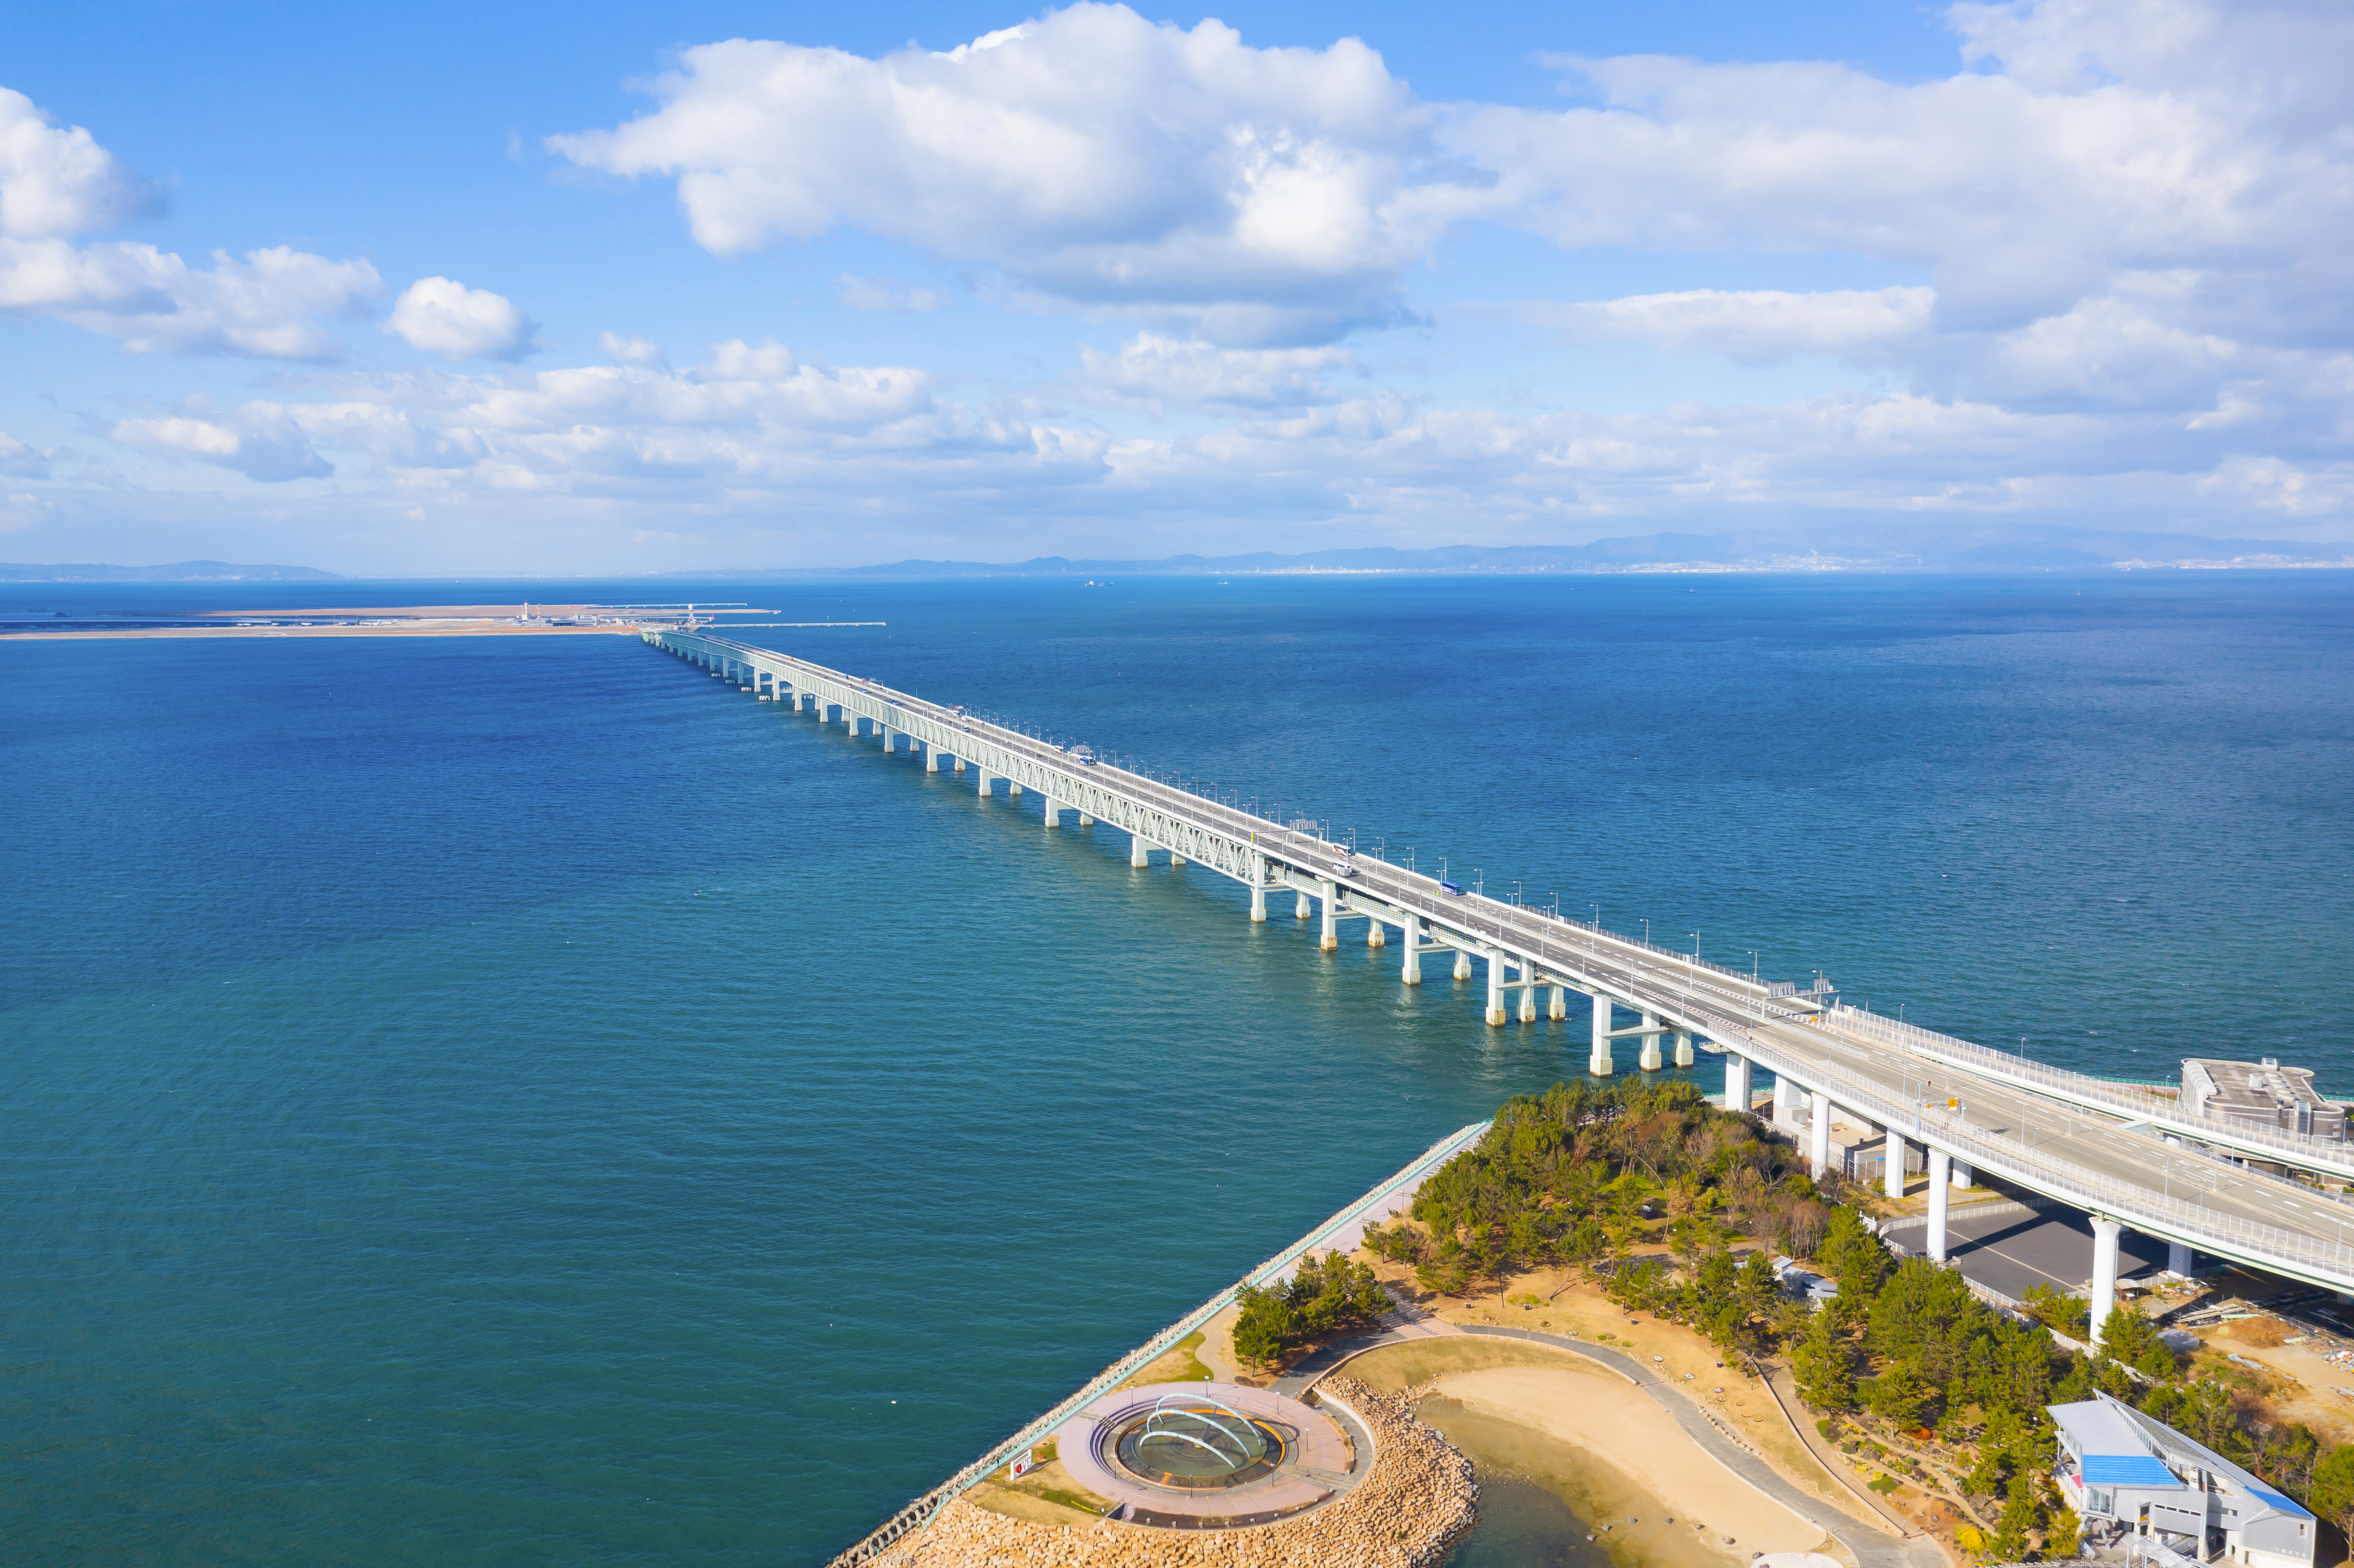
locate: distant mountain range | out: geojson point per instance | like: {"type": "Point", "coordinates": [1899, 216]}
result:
{"type": "Point", "coordinates": [177, 572]}
{"type": "Point", "coordinates": [2052, 549]}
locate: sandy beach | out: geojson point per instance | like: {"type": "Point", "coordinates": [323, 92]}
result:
{"type": "Point", "coordinates": [1634, 1468]}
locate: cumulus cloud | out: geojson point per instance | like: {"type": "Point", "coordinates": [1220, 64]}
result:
{"type": "Point", "coordinates": [58, 185]}
{"type": "Point", "coordinates": [443, 317]}
{"type": "Point", "coordinates": [56, 182]}
{"type": "Point", "coordinates": [888, 295]}
{"type": "Point", "coordinates": [1255, 194]}
{"type": "Point", "coordinates": [1157, 371]}
{"type": "Point", "coordinates": [630, 350]}
{"type": "Point", "coordinates": [262, 441]}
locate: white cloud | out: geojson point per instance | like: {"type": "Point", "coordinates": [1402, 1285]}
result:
{"type": "Point", "coordinates": [622, 350]}
{"type": "Point", "coordinates": [1155, 371]}
{"type": "Point", "coordinates": [18, 461]}
{"type": "Point", "coordinates": [443, 317]}
{"type": "Point", "coordinates": [56, 182]}
{"type": "Point", "coordinates": [1757, 326]}
{"type": "Point", "coordinates": [1090, 156]}
{"type": "Point", "coordinates": [261, 440]}
{"type": "Point", "coordinates": [57, 185]}
{"type": "Point", "coordinates": [887, 296]}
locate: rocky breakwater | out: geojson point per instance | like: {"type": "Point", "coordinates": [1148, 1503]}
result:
{"type": "Point", "coordinates": [1417, 1501]}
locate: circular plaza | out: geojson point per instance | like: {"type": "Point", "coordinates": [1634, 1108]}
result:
{"type": "Point", "coordinates": [1213, 1456]}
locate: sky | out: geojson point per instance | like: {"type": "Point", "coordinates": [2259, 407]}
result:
{"type": "Point", "coordinates": [594, 289]}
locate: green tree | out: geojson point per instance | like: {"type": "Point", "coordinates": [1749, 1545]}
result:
{"type": "Point", "coordinates": [2331, 1493]}
{"type": "Point", "coordinates": [1265, 1325]}
{"type": "Point", "coordinates": [1824, 1366]}
{"type": "Point", "coordinates": [2018, 1511]}
{"type": "Point", "coordinates": [2060, 1540]}
{"type": "Point", "coordinates": [1898, 1397]}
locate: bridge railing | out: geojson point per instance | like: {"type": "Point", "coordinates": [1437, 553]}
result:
{"type": "Point", "coordinates": [2148, 1105]}
{"type": "Point", "coordinates": [2160, 1214]}
{"type": "Point", "coordinates": [1579, 945]}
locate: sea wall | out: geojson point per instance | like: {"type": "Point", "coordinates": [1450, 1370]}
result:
{"type": "Point", "coordinates": [1417, 1502]}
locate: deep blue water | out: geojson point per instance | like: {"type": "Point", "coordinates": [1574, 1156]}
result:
{"type": "Point", "coordinates": [486, 1101]}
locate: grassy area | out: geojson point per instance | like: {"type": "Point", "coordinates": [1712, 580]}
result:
{"type": "Point", "coordinates": [1178, 1364]}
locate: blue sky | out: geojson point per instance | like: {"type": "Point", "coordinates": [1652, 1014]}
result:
{"type": "Point", "coordinates": [590, 288]}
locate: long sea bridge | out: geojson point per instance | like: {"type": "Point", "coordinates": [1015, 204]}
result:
{"type": "Point", "coordinates": [2127, 1157]}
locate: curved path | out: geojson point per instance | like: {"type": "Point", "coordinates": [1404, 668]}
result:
{"type": "Point", "coordinates": [1872, 1548]}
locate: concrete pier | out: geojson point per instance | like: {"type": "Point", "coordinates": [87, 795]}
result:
{"type": "Point", "coordinates": [1259, 888]}
{"type": "Point", "coordinates": [1410, 966]}
{"type": "Point", "coordinates": [1462, 964]}
{"type": "Point", "coordinates": [1940, 1167]}
{"type": "Point", "coordinates": [1649, 1060]}
{"type": "Point", "coordinates": [1597, 1059]}
{"type": "Point", "coordinates": [1684, 1050]}
{"type": "Point", "coordinates": [1736, 1081]}
{"type": "Point", "coordinates": [2104, 1299]}
{"type": "Point", "coordinates": [1303, 909]}
{"type": "Point", "coordinates": [1558, 1008]}
{"type": "Point", "coordinates": [1891, 1178]}
{"type": "Point", "coordinates": [1819, 1134]}
{"type": "Point", "coordinates": [1137, 853]}
{"type": "Point", "coordinates": [1328, 938]}
{"type": "Point", "coordinates": [1495, 988]}
{"type": "Point", "coordinates": [1053, 812]}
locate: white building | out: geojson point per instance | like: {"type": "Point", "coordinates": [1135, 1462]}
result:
{"type": "Point", "coordinates": [2126, 1473]}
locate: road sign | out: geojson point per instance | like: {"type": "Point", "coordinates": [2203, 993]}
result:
{"type": "Point", "coordinates": [1024, 1462]}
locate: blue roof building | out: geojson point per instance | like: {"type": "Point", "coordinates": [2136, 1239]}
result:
{"type": "Point", "coordinates": [2126, 1474]}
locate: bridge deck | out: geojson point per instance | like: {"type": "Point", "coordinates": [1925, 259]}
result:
{"type": "Point", "coordinates": [2046, 1137]}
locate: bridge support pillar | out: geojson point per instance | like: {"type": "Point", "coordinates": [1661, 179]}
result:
{"type": "Point", "coordinates": [1649, 1060]}
{"type": "Point", "coordinates": [1940, 1167]}
{"type": "Point", "coordinates": [1086, 820]}
{"type": "Point", "coordinates": [888, 736]}
{"type": "Point", "coordinates": [1054, 814]}
{"type": "Point", "coordinates": [2177, 1257]}
{"type": "Point", "coordinates": [1176, 860]}
{"type": "Point", "coordinates": [1329, 936]}
{"type": "Point", "coordinates": [1496, 1019]}
{"type": "Point", "coordinates": [1684, 1050]}
{"type": "Point", "coordinates": [849, 721]}
{"type": "Point", "coordinates": [1783, 1090]}
{"type": "Point", "coordinates": [1410, 967]}
{"type": "Point", "coordinates": [1819, 1134]}
{"type": "Point", "coordinates": [1377, 934]}
{"type": "Point", "coordinates": [1013, 788]}
{"type": "Point", "coordinates": [1259, 888]}
{"type": "Point", "coordinates": [1138, 855]}
{"type": "Point", "coordinates": [931, 759]}
{"type": "Point", "coordinates": [1597, 1058]}
{"type": "Point", "coordinates": [986, 791]}
{"type": "Point", "coordinates": [1302, 909]}
{"type": "Point", "coordinates": [959, 763]}
{"type": "Point", "coordinates": [1558, 1007]}
{"type": "Point", "coordinates": [2104, 1272]}
{"type": "Point", "coordinates": [1963, 1175]}
{"type": "Point", "coordinates": [1462, 964]}
{"type": "Point", "coordinates": [1528, 995]}
{"type": "Point", "coordinates": [1736, 1081]}
{"type": "Point", "coordinates": [1892, 1176]}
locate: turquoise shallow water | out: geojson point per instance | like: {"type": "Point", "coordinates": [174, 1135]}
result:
{"type": "Point", "coordinates": [510, 1101]}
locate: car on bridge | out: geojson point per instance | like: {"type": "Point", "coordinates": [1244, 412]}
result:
{"type": "Point", "coordinates": [1343, 868]}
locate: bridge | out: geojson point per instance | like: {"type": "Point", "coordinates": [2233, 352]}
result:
{"type": "Point", "coordinates": [2128, 1158]}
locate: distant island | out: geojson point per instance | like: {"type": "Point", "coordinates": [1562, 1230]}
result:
{"type": "Point", "coordinates": [1885, 550]}
{"type": "Point", "coordinates": [177, 572]}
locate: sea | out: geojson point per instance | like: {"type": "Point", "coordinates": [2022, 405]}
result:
{"type": "Point", "coordinates": [518, 1101]}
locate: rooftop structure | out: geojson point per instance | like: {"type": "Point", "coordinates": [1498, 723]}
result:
{"type": "Point", "coordinates": [2260, 1094]}
{"type": "Point", "coordinates": [2126, 1473]}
